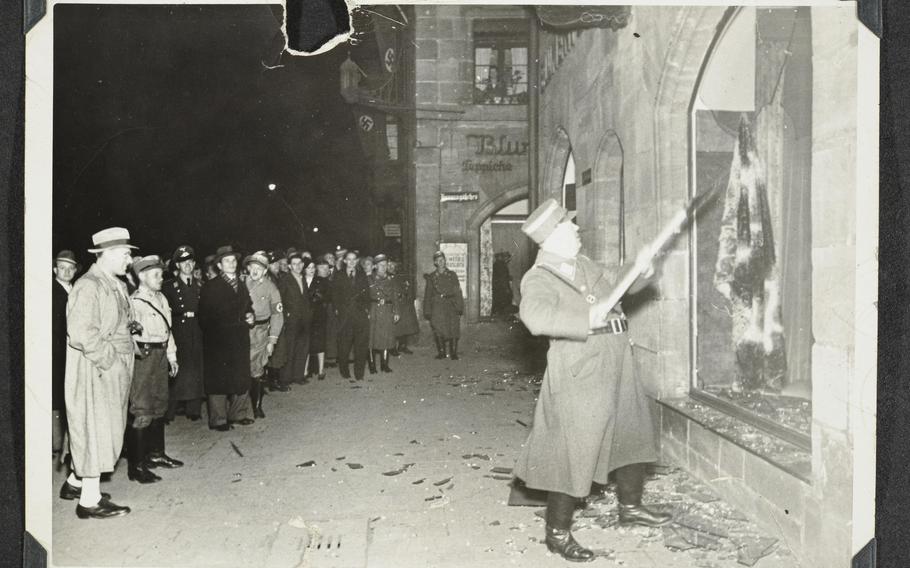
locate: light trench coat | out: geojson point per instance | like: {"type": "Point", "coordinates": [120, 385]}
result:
{"type": "Point", "coordinates": [592, 415]}
{"type": "Point", "coordinates": [99, 370]}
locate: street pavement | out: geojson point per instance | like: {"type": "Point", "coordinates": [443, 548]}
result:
{"type": "Point", "coordinates": [406, 469]}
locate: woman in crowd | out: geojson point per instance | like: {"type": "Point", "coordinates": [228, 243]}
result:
{"type": "Point", "coordinates": [317, 283]}
{"type": "Point", "coordinates": [383, 313]}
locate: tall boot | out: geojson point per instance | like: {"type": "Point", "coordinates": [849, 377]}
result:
{"type": "Point", "coordinates": [385, 362]}
{"type": "Point", "coordinates": [135, 455]}
{"type": "Point", "coordinates": [155, 456]}
{"type": "Point", "coordinates": [559, 539]}
{"type": "Point", "coordinates": [256, 394]}
{"type": "Point", "coordinates": [371, 361]}
{"type": "Point", "coordinates": [440, 347]}
{"type": "Point", "coordinates": [630, 483]}
{"type": "Point", "coordinates": [453, 349]}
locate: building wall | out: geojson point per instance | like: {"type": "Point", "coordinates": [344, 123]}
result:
{"type": "Point", "coordinates": [623, 98]}
{"type": "Point", "coordinates": [455, 138]}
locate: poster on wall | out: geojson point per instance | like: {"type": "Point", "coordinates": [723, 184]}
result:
{"type": "Point", "coordinates": [457, 261]}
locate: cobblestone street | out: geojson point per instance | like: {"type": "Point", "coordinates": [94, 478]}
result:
{"type": "Point", "coordinates": [408, 469]}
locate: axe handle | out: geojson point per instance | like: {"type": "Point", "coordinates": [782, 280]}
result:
{"type": "Point", "coordinates": [669, 231]}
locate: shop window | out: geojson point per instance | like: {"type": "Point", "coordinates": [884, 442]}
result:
{"type": "Point", "coordinates": [568, 185]}
{"type": "Point", "coordinates": [751, 139]}
{"type": "Point", "coordinates": [501, 65]}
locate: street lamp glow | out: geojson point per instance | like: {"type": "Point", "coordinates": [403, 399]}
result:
{"type": "Point", "coordinates": [315, 229]}
{"type": "Point", "coordinates": [272, 187]}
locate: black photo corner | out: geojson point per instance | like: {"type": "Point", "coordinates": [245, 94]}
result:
{"type": "Point", "coordinates": [310, 23]}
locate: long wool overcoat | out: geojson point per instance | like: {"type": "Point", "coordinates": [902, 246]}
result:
{"type": "Point", "coordinates": [383, 309]}
{"type": "Point", "coordinates": [225, 336]}
{"type": "Point", "coordinates": [184, 301]}
{"type": "Point", "coordinates": [443, 303]}
{"type": "Point", "coordinates": [408, 324]}
{"type": "Point", "coordinates": [99, 370]}
{"type": "Point", "coordinates": [592, 415]}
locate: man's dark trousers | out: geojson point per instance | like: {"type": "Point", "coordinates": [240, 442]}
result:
{"type": "Point", "coordinates": [354, 332]}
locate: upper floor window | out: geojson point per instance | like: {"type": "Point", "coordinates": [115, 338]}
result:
{"type": "Point", "coordinates": [501, 65]}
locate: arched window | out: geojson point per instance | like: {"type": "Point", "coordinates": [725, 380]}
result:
{"type": "Point", "coordinates": [751, 135]}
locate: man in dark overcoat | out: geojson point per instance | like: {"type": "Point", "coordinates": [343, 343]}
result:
{"type": "Point", "coordinates": [351, 303]}
{"type": "Point", "coordinates": [443, 305]}
{"type": "Point", "coordinates": [225, 315]}
{"type": "Point", "coordinates": [592, 416]}
{"type": "Point", "coordinates": [182, 295]}
{"type": "Point", "coordinates": [65, 269]}
{"type": "Point", "coordinates": [294, 344]}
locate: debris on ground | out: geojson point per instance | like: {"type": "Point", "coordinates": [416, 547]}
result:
{"type": "Point", "coordinates": [501, 470]}
{"type": "Point", "coordinates": [355, 466]}
{"type": "Point", "coordinates": [418, 482]}
{"type": "Point", "coordinates": [442, 482]}
{"type": "Point", "coordinates": [310, 463]}
{"type": "Point", "coordinates": [236, 449]}
{"type": "Point", "coordinates": [297, 522]}
{"type": "Point", "coordinates": [400, 470]}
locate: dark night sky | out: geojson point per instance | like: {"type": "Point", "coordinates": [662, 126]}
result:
{"type": "Point", "coordinates": [167, 122]}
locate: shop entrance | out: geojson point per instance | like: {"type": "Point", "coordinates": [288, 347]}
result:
{"type": "Point", "coordinates": [505, 255]}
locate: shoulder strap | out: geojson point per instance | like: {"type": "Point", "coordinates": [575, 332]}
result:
{"type": "Point", "coordinates": [151, 305]}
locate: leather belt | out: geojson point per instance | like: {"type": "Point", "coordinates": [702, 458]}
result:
{"type": "Point", "coordinates": [381, 302]}
{"type": "Point", "coordinates": [146, 345]}
{"type": "Point", "coordinates": [614, 326]}
{"type": "Point", "coordinates": [262, 321]}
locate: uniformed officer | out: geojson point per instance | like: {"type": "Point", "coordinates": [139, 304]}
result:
{"type": "Point", "coordinates": [592, 416]}
{"type": "Point", "coordinates": [269, 319]}
{"type": "Point", "coordinates": [443, 305]}
{"type": "Point", "coordinates": [156, 353]}
{"type": "Point", "coordinates": [182, 294]}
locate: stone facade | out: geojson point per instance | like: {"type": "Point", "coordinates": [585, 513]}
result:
{"type": "Point", "coordinates": [461, 147]}
{"type": "Point", "coordinates": [620, 102]}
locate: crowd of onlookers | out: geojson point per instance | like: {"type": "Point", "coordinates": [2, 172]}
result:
{"type": "Point", "coordinates": [139, 340]}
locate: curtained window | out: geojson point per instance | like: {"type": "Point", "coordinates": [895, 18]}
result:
{"type": "Point", "coordinates": [501, 63]}
{"type": "Point", "coordinates": [752, 134]}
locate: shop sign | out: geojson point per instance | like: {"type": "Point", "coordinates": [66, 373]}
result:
{"type": "Point", "coordinates": [457, 262]}
{"type": "Point", "coordinates": [459, 196]}
{"type": "Point", "coordinates": [489, 145]}
{"type": "Point", "coordinates": [392, 230]}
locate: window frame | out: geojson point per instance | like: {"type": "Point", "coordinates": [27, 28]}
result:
{"type": "Point", "coordinates": [499, 42]}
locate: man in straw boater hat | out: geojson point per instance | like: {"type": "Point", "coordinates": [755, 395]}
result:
{"type": "Point", "coordinates": [156, 359]}
{"type": "Point", "coordinates": [65, 269]}
{"type": "Point", "coordinates": [225, 315]}
{"type": "Point", "coordinates": [99, 370]}
{"type": "Point", "coordinates": [269, 319]}
{"type": "Point", "coordinates": [183, 296]}
{"type": "Point", "coordinates": [592, 417]}
{"type": "Point", "coordinates": [443, 305]}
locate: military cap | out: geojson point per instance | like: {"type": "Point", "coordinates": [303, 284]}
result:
{"type": "Point", "coordinates": [258, 257]}
{"type": "Point", "coordinates": [147, 263]}
{"type": "Point", "coordinates": [541, 223]}
{"type": "Point", "coordinates": [379, 258]}
{"type": "Point", "coordinates": [111, 238]}
{"type": "Point", "coordinates": [183, 252]}
{"type": "Point", "coordinates": [437, 254]}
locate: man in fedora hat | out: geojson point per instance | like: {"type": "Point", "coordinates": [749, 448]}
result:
{"type": "Point", "coordinates": [269, 319]}
{"type": "Point", "coordinates": [99, 369]}
{"type": "Point", "coordinates": [443, 305]}
{"type": "Point", "coordinates": [592, 417]}
{"type": "Point", "coordinates": [182, 294]}
{"type": "Point", "coordinates": [225, 315]}
{"type": "Point", "coordinates": [156, 359]}
{"type": "Point", "coordinates": [65, 269]}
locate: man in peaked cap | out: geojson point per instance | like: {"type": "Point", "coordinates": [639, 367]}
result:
{"type": "Point", "coordinates": [592, 417]}
{"type": "Point", "coordinates": [65, 269]}
{"type": "Point", "coordinates": [155, 360]}
{"type": "Point", "coordinates": [269, 319]}
{"type": "Point", "coordinates": [99, 369]}
{"type": "Point", "coordinates": [182, 294]}
{"type": "Point", "coordinates": [225, 315]}
{"type": "Point", "coordinates": [443, 305]}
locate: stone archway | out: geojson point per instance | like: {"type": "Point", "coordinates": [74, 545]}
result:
{"type": "Point", "coordinates": [555, 166]}
{"type": "Point", "coordinates": [482, 213]}
{"type": "Point", "coordinates": [609, 223]}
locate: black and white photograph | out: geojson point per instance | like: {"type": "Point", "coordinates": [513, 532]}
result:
{"type": "Point", "coordinates": [451, 285]}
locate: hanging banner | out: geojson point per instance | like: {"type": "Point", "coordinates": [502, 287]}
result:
{"type": "Point", "coordinates": [370, 125]}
